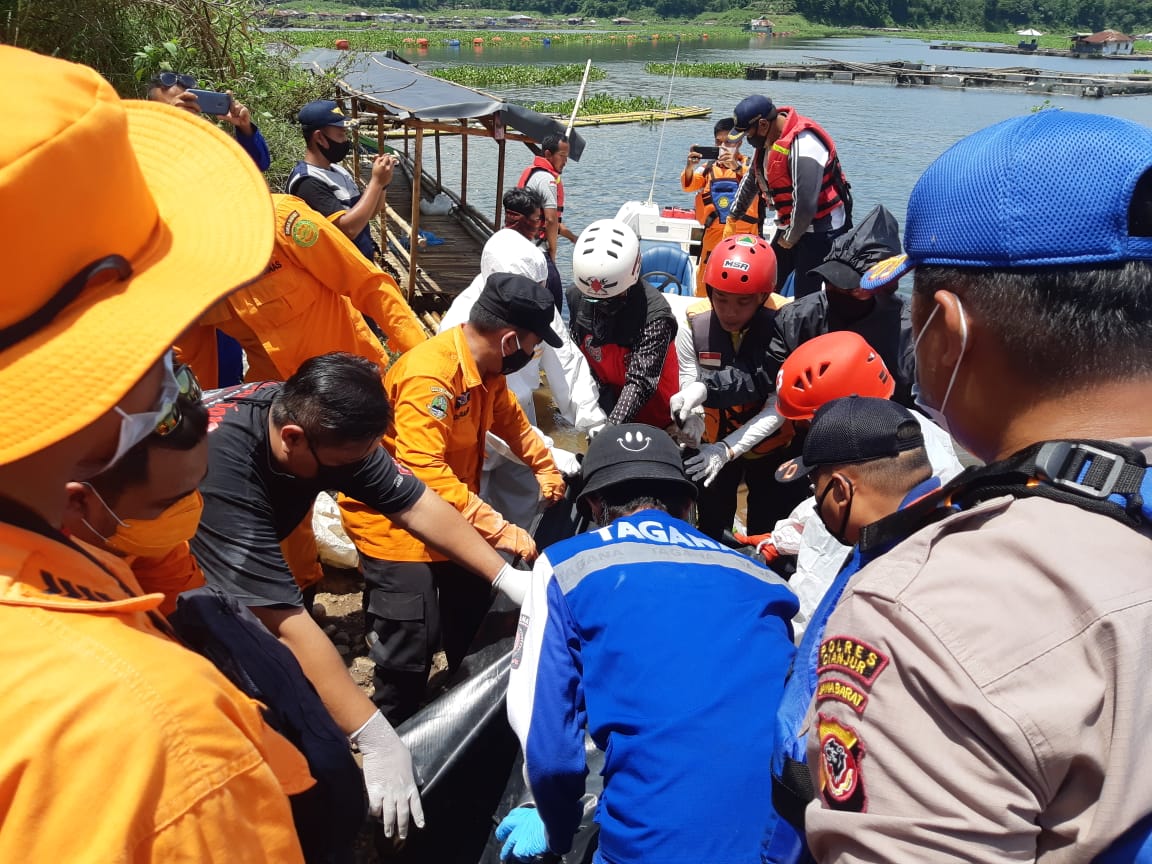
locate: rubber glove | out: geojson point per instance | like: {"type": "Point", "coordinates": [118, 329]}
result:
{"type": "Point", "coordinates": [515, 541]}
{"type": "Point", "coordinates": [566, 461]}
{"type": "Point", "coordinates": [552, 486]}
{"type": "Point", "coordinates": [512, 583]}
{"type": "Point", "coordinates": [522, 831]}
{"type": "Point", "coordinates": [705, 465]}
{"type": "Point", "coordinates": [392, 794]}
{"type": "Point", "coordinates": [692, 432]}
{"type": "Point", "coordinates": [687, 400]}
{"type": "Point", "coordinates": [763, 543]}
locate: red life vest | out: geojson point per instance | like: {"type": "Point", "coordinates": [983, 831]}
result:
{"type": "Point", "coordinates": [776, 178]}
{"type": "Point", "coordinates": [609, 365]}
{"type": "Point", "coordinates": [542, 164]}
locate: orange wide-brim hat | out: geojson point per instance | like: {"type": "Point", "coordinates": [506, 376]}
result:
{"type": "Point", "coordinates": [85, 175]}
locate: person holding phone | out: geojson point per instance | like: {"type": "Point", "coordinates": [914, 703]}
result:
{"type": "Point", "coordinates": [714, 174]}
{"type": "Point", "coordinates": [180, 91]}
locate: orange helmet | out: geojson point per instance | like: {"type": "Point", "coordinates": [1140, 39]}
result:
{"type": "Point", "coordinates": [742, 265]}
{"type": "Point", "coordinates": [830, 367]}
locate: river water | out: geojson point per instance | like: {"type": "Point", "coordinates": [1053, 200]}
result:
{"type": "Point", "coordinates": [886, 135]}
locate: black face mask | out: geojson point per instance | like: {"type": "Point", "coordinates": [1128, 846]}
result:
{"type": "Point", "coordinates": [757, 141]}
{"type": "Point", "coordinates": [846, 307]}
{"type": "Point", "coordinates": [515, 361]}
{"type": "Point", "coordinates": [334, 151]}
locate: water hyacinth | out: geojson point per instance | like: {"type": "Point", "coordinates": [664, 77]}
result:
{"type": "Point", "coordinates": [499, 77]}
{"type": "Point", "coordinates": [697, 70]}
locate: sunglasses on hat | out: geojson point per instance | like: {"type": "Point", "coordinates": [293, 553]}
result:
{"type": "Point", "coordinates": [187, 387]}
{"type": "Point", "coordinates": [170, 79]}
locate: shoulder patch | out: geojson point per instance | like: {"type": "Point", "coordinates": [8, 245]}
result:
{"type": "Point", "coordinates": [847, 654]}
{"type": "Point", "coordinates": [438, 407]}
{"type": "Point", "coordinates": [305, 233]}
{"type": "Point", "coordinates": [841, 752]}
{"type": "Point", "coordinates": [290, 221]}
{"type": "Point", "coordinates": [842, 691]}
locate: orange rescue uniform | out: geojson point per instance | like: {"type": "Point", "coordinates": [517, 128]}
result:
{"type": "Point", "coordinates": [443, 410]}
{"type": "Point", "coordinates": [121, 745]}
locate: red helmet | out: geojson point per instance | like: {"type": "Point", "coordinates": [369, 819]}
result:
{"type": "Point", "coordinates": [742, 265]}
{"type": "Point", "coordinates": [830, 367]}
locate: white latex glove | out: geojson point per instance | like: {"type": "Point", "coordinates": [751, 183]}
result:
{"type": "Point", "coordinates": [688, 399]}
{"type": "Point", "coordinates": [690, 433]}
{"type": "Point", "coordinates": [392, 794]}
{"type": "Point", "coordinates": [566, 461]}
{"type": "Point", "coordinates": [512, 583]}
{"type": "Point", "coordinates": [593, 431]}
{"type": "Point", "coordinates": [705, 465]}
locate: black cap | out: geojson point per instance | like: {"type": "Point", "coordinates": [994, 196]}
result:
{"type": "Point", "coordinates": [854, 429]}
{"type": "Point", "coordinates": [522, 303]}
{"type": "Point", "coordinates": [748, 111]}
{"type": "Point", "coordinates": [631, 453]}
{"type": "Point", "coordinates": [854, 252]}
{"type": "Point", "coordinates": [321, 113]}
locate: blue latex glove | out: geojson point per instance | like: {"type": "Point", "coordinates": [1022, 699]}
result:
{"type": "Point", "coordinates": [523, 830]}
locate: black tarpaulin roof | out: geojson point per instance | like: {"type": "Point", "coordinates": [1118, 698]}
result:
{"type": "Point", "coordinates": [404, 91]}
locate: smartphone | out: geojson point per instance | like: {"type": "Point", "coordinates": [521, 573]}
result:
{"type": "Point", "coordinates": [212, 102]}
{"type": "Point", "coordinates": [707, 152]}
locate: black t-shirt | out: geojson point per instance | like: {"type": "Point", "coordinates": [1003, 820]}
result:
{"type": "Point", "coordinates": [250, 505]}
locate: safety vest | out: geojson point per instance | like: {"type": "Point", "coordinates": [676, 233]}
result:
{"type": "Point", "coordinates": [363, 240]}
{"type": "Point", "coordinates": [714, 351]}
{"type": "Point", "coordinates": [1098, 476]}
{"type": "Point", "coordinates": [542, 164]}
{"type": "Point", "coordinates": [720, 194]}
{"type": "Point", "coordinates": [775, 177]}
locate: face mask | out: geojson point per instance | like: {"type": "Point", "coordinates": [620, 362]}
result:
{"type": "Point", "coordinates": [334, 151]}
{"type": "Point", "coordinates": [152, 538]}
{"type": "Point", "coordinates": [838, 535]}
{"type": "Point", "coordinates": [134, 428]}
{"type": "Point", "coordinates": [515, 361]}
{"type": "Point", "coordinates": [757, 141]}
{"type": "Point", "coordinates": [846, 307]}
{"type": "Point", "coordinates": [937, 414]}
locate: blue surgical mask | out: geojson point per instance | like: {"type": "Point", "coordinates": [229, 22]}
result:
{"type": "Point", "coordinates": [937, 414]}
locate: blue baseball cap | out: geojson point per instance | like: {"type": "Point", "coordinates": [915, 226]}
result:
{"type": "Point", "coordinates": [748, 112]}
{"type": "Point", "coordinates": [1052, 189]}
{"type": "Point", "coordinates": [321, 113]}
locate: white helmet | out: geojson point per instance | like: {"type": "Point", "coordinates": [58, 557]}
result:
{"type": "Point", "coordinates": [606, 260]}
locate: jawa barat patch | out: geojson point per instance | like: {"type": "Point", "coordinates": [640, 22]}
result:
{"type": "Point", "coordinates": [833, 689]}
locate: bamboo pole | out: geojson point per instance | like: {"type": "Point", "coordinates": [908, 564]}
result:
{"type": "Point", "coordinates": [413, 234]}
{"type": "Point", "coordinates": [500, 146]}
{"type": "Point", "coordinates": [439, 180]}
{"type": "Point", "coordinates": [464, 161]}
{"type": "Point", "coordinates": [382, 213]}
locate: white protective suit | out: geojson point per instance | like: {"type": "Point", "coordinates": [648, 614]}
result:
{"type": "Point", "coordinates": [507, 484]}
{"type": "Point", "coordinates": [819, 556]}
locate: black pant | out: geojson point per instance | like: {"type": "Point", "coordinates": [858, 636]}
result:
{"type": "Point", "coordinates": [809, 252]}
{"type": "Point", "coordinates": [768, 501]}
{"type": "Point", "coordinates": [555, 283]}
{"type": "Point", "coordinates": [410, 609]}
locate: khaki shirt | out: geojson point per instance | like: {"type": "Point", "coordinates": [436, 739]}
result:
{"type": "Point", "coordinates": [984, 692]}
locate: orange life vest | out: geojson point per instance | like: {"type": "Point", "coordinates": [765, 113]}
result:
{"type": "Point", "coordinates": [542, 164]}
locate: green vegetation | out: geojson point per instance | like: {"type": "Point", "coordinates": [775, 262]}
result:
{"type": "Point", "coordinates": [697, 70]}
{"type": "Point", "coordinates": [600, 103]}
{"type": "Point", "coordinates": [129, 40]}
{"type": "Point", "coordinates": [380, 39]}
{"type": "Point", "coordinates": [518, 76]}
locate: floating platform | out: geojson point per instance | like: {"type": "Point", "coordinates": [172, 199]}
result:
{"type": "Point", "coordinates": [674, 113]}
{"type": "Point", "coordinates": [1035, 51]}
{"type": "Point", "coordinates": [900, 73]}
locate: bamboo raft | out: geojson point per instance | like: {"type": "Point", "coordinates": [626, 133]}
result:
{"type": "Point", "coordinates": [899, 73]}
{"type": "Point", "coordinates": [687, 112]}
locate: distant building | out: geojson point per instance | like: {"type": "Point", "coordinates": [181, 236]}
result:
{"type": "Point", "coordinates": [575, 21]}
{"type": "Point", "coordinates": [1105, 43]}
{"type": "Point", "coordinates": [518, 20]}
{"type": "Point", "coordinates": [357, 16]}
{"type": "Point", "coordinates": [760, 25]}
{"type": "Point", "coordinates": [623, 21]}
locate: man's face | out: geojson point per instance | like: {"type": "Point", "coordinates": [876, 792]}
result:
{"type": "Point", "coordinates": [734, 311]}
{"type": "Point", "coordinates": [172, 475]}
{"type": "Point", "coordinates": [527, 225]}
{"type": "Point", "coordinates": [560, 158]}
{"type": "Point", "coordinates": [177, 94]}
{"type": "Point", "coordinates": [335, 134]}
{"type": "Point", "coordinates": [306, 460]}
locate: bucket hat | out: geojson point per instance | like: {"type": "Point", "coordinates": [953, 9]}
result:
{"type": "Point", "coordinates": [175, 198]}
{"type": "Point", "coordinates": [631, 453]}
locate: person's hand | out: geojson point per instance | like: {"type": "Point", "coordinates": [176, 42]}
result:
{"type": "Point", "coordinates": [566, 461]}
{"type": "Point", "coordinates": [688, 400]}
{"type": "Point", "coordinates": [516, 541]}
{"type": "Point", "coordinates": [382, 167]}
{"type": "Point", "coordinates": [512, 583]}
{"type": "Point", "coordinates": [763, 543]}
{"type": "Point", "coordinates": [691, 432]}
{"type": "Point", "coordinates": [593, 431]}
{"type": "Point", "coordinates": [781, 242]}
{"type": "Point", "coordinates": [552, 486]}
{"type": "Point", "coordinates": [693, 157]}
{"type": "Point", "coordinates": [239, 117]}
{"type": "Point", "coordinates": [522, 832]}
{"type": "Point", "coordinates": [187, 101]}
{"type": "Point", "coordinates": [705, 465]}
{"type": "Point", "coordinates": [392, 794]}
